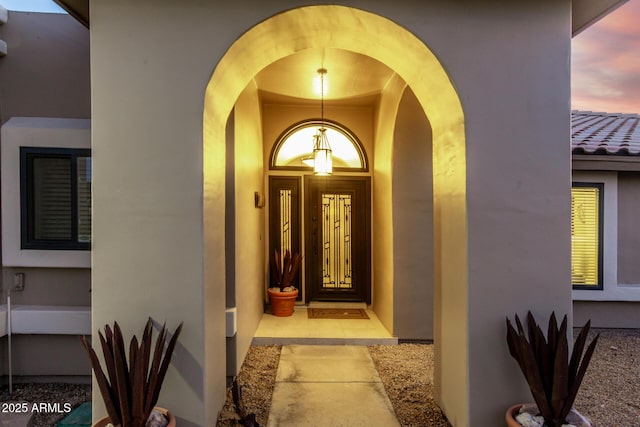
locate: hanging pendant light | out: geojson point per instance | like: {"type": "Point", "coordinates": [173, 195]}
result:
{"type": "Point", "coordinates": [322, 156]}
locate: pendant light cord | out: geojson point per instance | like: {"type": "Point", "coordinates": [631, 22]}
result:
{"type": "Point", "coordinates": [322, 72]}
{"type": "Point", "coordinates": [322, 98]}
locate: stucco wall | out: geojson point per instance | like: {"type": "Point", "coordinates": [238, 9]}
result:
{"type": "Point", "coordinates": [51, 286]}
{"type": "Point", "coordinates": [148, 85]}
{"type": "Point", "coordinates": [3, 361]}
{"type": "Point", "coordinates": [518, 197]}
{"type": "Point", "coordinates": [412, 222]}
{"type": "Point", "coordinates": [45, 74]}
{"type": "Point", "coordinates": [506, 207]}
{"type": "Point", "coordinates": [63, 355]}
{"type": "Point", "coordinates": [46, 70]}
{"type": "Point", "coordinates": [382, 268]}
{"type": "Point", "coordinates": [249, 244]}
{"type": "Point", "coordinates": [606, 314]}
{"type": "Point", "coordinates": [628, 232]}
{"type": "Point", "coordinates": [50, 356]}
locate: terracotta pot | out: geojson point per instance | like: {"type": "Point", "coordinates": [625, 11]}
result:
{"type": "Point", "coordinates": [102, 422]}
{"type": "Point", "coordinates": [510, 416]}
{"type": "Point", "coordinates": [282, 302]}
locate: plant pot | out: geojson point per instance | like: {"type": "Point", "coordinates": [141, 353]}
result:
{"type": "Point", "coordinates": [282, 302]}
{"type": "Point", "coordinates": [510, 416]}
{"type": "Point", "coordinates": [102, 422]}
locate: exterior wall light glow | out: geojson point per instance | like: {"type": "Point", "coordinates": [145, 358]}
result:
{"type": "Point", "coordinates": [322, 161]}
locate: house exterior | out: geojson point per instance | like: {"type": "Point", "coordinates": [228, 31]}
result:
{"type": "Point", "coordinates": [45, 102]}
{"type": "Point", "coordinates": [605, 160]}
{"type": "Point", "coordinates": [190, 106]}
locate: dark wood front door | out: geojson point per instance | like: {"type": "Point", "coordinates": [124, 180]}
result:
{"type": "Point", "coordinates": [338, 238]}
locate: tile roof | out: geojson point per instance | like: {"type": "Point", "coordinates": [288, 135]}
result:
{"type": "Point", "coordinates": [605, 133]}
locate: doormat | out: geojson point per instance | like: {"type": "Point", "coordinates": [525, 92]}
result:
{"type": "Point", "coordinates": [336, 313]}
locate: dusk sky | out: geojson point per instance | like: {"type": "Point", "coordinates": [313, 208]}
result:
{"type": "Point", "coordinates": [606, 63]}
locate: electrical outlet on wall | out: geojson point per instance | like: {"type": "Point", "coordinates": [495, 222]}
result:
{"type": "Point", "coordinates": [18, 282]}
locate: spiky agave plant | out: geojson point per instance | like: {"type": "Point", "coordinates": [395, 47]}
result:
{"type": "Point", "coordinates": [130, 391]}
{"type": "Point", "coordinates": [285, 271]}
{"type": "Point", "coordinates": [553, 379]}
{"type": "Point", "coordinates": [247, 420]}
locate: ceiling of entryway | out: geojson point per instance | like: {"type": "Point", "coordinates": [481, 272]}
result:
{"type": "Point", "coordinates": [351, 78]}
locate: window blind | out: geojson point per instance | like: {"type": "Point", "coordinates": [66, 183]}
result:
{"type": "Point", "coordinates": [585, 235]}
{"type": "Point", "coordinates": [84, 199]}
{"type": "Point", "coordinates": [52, 198]}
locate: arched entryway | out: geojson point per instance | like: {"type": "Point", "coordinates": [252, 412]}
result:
{"type": "Point", "coordinates": [416, 67]}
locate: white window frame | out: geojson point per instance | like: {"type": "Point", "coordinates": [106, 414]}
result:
{"type": "Point", "coordinates": [612, 290]}
{"type": "Point", "coordinates": [35, 132]}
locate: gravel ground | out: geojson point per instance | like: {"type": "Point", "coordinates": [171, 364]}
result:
{"type": "Point", "coordinates": [73, 394]}
{"type": "Point", "coordinates": [610, 392]}
{"type": "Point", "coordinates": [257, 378]}
{"type": "Point", "coordinates": [406, 370]}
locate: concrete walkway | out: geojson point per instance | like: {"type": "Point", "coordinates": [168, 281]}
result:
{"type": "Point", "coordinates": [331, 385]}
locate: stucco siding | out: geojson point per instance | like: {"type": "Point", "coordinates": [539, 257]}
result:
{"type": "Point", "coordinates": [628, 231]}
{"type": "Point", "coordinates": [499, 205]}
{"type": "Point", "coordinates": [382, 203]}
{"type": "Point", "coordinates": [606, 314]}
{"type": "Point", "coordinates": [518, 198]}
{"type": "Point", "coordinates": [46, 70]}
{"type": "Point", "coordinates": [149, 67]}
{"type": "Point", "coordinates": [412, 222]}
{"type": "Point", "coordinates": [48, 287]}
{"type": "Point", "coordinates": [249, 243]}
{"type": "Point", "coordinates": [51, 286]}
{"type": "Point", "coordinates": [49, 355]}
{"type": "Point", "coordinates": [45, 74]}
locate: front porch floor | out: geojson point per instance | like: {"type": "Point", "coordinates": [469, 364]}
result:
{"type": "Point", "coordinates": [298, 329]}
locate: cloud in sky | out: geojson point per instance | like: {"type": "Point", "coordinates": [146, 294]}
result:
{"type": "Point", "coordinates": [605, 63]}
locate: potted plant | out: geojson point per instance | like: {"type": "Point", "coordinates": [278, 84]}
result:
{"type": "Point", "coordinates": [130, 390]}
{"type": "Point", "coordinates": [553, 378]}
{"type": "Point", "coordinates": [283, 293]}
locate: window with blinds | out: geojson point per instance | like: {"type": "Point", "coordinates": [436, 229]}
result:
{"type": "Point", "coordinates": [55, 198]}
{"type": "Point", "coordinates": [586, 235]}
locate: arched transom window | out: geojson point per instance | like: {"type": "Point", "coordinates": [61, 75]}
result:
{"type": "Point", "coordinates": [294, 148]}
